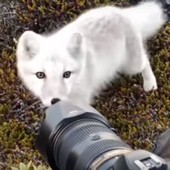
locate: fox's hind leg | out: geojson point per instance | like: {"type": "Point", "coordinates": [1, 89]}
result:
{"type": "Point", "coordinates": [137, 61]}
{"type": "Point", "coordinates": [143, 66]}
{"type": "Point", "coordinates": [149, 80]}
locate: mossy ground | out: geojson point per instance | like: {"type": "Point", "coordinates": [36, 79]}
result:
{"type": "Point", "coordinates": [137, 116]}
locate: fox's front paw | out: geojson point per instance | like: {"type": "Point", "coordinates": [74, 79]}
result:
{"type": "Point", "coordinates": [150, 84]}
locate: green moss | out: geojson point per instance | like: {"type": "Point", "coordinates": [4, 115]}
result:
{"type": "Point", "coordinates": [30, 166]}
{"type": "Point", "coordinates": [137, 116]}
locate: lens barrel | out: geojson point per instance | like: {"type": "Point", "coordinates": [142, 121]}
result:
{"type": "Point", "coordinates": [73, 143]}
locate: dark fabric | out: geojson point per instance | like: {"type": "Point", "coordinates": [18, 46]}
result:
{"type": "Point", "coordinates": [162, 145]}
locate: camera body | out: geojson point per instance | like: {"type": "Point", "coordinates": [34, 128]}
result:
{"type": "Point", "coordinates": [74, 138]}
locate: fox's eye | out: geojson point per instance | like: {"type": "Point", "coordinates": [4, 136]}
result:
{"type": "Point", "coordinates": [40, 75]}
{"type": "Point", "coordinates": [67, 74]}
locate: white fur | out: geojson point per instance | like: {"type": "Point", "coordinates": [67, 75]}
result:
{"type": "Point", "coordinates": [95, 47]}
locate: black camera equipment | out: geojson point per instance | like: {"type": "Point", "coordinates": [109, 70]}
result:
{"type": "Point", "coordinates": [74, 138]}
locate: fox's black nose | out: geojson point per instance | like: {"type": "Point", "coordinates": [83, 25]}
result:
{"type": "Point", "coordinates": [55, 100]}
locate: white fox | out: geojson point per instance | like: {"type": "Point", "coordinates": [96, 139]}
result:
{"type": "Point", "coordinates": [76, 62]}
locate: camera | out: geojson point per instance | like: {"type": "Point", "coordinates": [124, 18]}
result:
{"type": "Point", "coordinates": [80, 138]}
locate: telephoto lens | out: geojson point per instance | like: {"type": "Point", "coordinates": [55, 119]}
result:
{"type": "Point", "coordinates": [74, 138]}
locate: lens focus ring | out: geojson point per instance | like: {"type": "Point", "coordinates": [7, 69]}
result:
{"type": "Point", "coordinates": [84, 140]}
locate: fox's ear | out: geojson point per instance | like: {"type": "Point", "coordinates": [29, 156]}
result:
{"type": "Point", "coordinates": [75, 43]}
{"type": "Point", "coordinates": [28, 45]}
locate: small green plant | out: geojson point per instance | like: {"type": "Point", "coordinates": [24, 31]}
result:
{"type": "Point", "coordinates": [30, 166]}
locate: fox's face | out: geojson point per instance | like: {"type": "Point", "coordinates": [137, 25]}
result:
{"type": "Point", "coordinates": [50, 69]}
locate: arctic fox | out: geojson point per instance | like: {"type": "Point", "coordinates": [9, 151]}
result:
{"type": "Point", "coordinates": [77, 61]}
